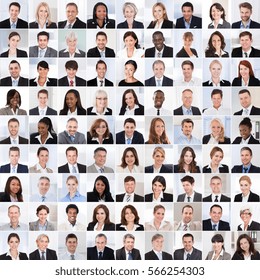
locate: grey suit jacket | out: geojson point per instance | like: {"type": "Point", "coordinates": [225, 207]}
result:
{"type": "Point", "coordinates": [63, 138]}
{"type": "Point", "coordinates": [226, 256]}
{"type": "Point", "coordinates": [34, 226]}
{"type": "Point", "coordinates": [92, 169]}
{"type": "Point", "coordinates": [34, 169]}
{"type": "Point", "coordinates": [197, 197]}
{"type": "Point", "coordinates": [50, 52]}
{"type": "Point", "coordinates": [8, 111]}
{"type": "Point", "coordinates": [195, 255]}
{"type": "Point", "coordinates": [196, 225]}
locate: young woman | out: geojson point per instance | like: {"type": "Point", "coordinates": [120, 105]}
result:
{"type": "Point", "coordinates": [186, 50]}
{"type": "Point", "coordinates": [218, 252]}
{"type": "Point", "coordinates": [42, 223]}
{"type": "Point", "coordinates": [13, 103]}
{"type": "Point", "coordinates": [217, 15]}
{"type": "Point", "coordinates": [13, 40]}
{"type": "Point", "coordinates": [246, 195]}
{"type": "Point", "coordinates": [99, 133]}
{"type": "Point", "coordinates": [73, 194]}
{"type": "Point", "coordinates": [130, 80]}
{"type": "Point", "coordinates": [72, 104]}
{"type": "Point", "coordinates": [13, 190]}
{"type": "Point", "coordinates": [41, 166]}
{"type": "Point", "coordinates": [130, 104]}
{"type": "Point", "coordinates": [130, 162]}
{"type": "Point", "coordinates": [157, 132]}
{"type": "Point", "coordinates": [215, 165]}
{"type": "Point", "coordinates": [216, 46]}
{"type": "Point", "coordinates": [187, 163]}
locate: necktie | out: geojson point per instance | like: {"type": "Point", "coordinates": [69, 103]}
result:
{"type": "Point", "coordinates": [188, 198]}
{"type": "Point", "coordinates": [185, 227]}
{"type": "Point", "coordinates": [245, 53]}
{"type": "Point", "coordinates": [246, 112]}
{"type": "Point", "coordinates": [214, 227]}
{"type": "Point", "coordinates": [159, 54]}
{"type": "Point", "coordinates": [127, 198]}
{"type": "Point", "coordinates": [188, 112]}
{"type": "Point", "coordinates": [72, 138]}
{"type": "Point", "coordinates": [101, 170]}
{"type": "Point", "coordinates": [43, 256]}
{"type": "Point", "coordinates": [102, 54]}
{"type": "Point", "coordinates": [13, 169]}
{"type": "Point", "coordinates": [41, 112]}
{"type": "Point", "coordinates": [101, 83]}
{"type": "Point", "coordinates": [71, 83]}
{"type": "Point", "coordinates": [159, 254]}
{"type": "Point", "coordinates": [128, 141]}
{"type": "Point", "coordinates": [13, 25]}
{"type": "Point", "coordinates": [188, 256]}
{"type": "Point", "coordinates": [158, 112]}
{"type": "Point", "coordinates": [245, 169]}
{"type": "Point", "coordinates": [100, 256]}
{"type": "Point", "coordinates": [74, 169]}
{"type": "Point", "coordinates": [43, 198]}
{"type": "Point", "coordinates": [70, 25]}
{"type": "Point", "coordinates": [14, 83]}
{"type": "Point", "coordinates": [159, 83]}
{"type": "Point", "coordinates": [41, 53]}
{"type": "Point", "coordinates": [216, 198]}
{"type": "Point", "coordinates": [130, 256]}
{"type": "Point", "coordinates": [72, 257]}
{"type": "Point", "coordinates": [14, 142]}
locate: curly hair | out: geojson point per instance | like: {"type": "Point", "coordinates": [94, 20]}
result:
{"type": "Point", "coordinates": [181, 163]}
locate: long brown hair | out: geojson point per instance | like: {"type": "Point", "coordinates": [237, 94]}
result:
{"type": "Point", "coordinates": [153, 138]}
{"type": "Point", "coordinates": [95, 125]}
{"type": "Point", "coordinates": [8, 190]}
{"type": "Point", "coordinates": [193, 164]}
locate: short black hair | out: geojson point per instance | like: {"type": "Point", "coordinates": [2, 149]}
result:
{"type": "Point", "coordinates": [71, 148]}
{"type": "Point", "coordinates": [43, 33]}
{"type": "Point", "coordinates": [15, 4]}
{"type": "Point", "coordinates": [217, 91]}
{"type": "Point", "coordinates": [43, 64]}
{"type": "Point", "coordinates": [101, 33]}
{"type": "Point", "coordinates": [73, 206]}
{"type": "Point", "coordinates": [130, 120]}
{"type": "Point", "coordinates": [72, 64]}
{"type": "Point", "coordinates": [187, 4]}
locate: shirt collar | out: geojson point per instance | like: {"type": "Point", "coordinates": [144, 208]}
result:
{"type": "Point", "coordinates": [247, 24]}
{"type": "Point", "coordinates": [36, 81]}
{"type": "Point", "coordinates": [48, 137]}
{"type": "Point", "coordinates": [76, 50]}
{"type": "Point", "coordinates": [94, 110]}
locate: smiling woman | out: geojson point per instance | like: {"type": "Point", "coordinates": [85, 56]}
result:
{"type": "Point", "coordinates": [13, 190]}
{"type": "Point", "coordinates": [130, 162]}
{"type": "Point", "coordinates": [13, 103]}
{"type": "Point", "coordinates": [13, 40]}
{"type": "Point", "coordinates": [73, 194]}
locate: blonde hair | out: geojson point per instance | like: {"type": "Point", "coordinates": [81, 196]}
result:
{"type": "Point", "coordinates": [46, 6]}
{"type": "Point", "coordinates": [222, 132]}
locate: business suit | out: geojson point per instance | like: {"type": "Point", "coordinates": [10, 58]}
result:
{"type": "Point", "coordinates": [195, 255]}
{"type": "Point", "coordinates": [196, 22]}
{"type": "Point", "coordinates": [225, 256]}
{"type": "Point", "coordinates": [254, 111]}
{"type": "Point", "coordinates": [65, 168]}
{"type": "Point", "coordinates": [93, 83]}
{"type": "Point", "coordinates": [138, 111]}
{"type": "Point", "coordinates": [90, 113]}
{"type": "Point", "coordinates": [20, 24]}
{"type": "Point", "coordinates": [93, 197]}
{"type": "Point", "coordinates": [21, 140]}
{"type": "Point", "coordinates": [252, 140]}
{"type": "Point", "coordinates": [80, 111]}
{"type": "Point", "coordinates": [5, 197]}
{"type": "Point", "coordinates": [195, 225]}
{"type": "Point", "coordinates": [152, 256]}
{"type": "Point", "coordinates": [179, 112]}
{"type": "Point", "coordinates": [65, 83]}
{"type": "Point", "coordinates": [239, 169]}
{"type": "Point", "coordinates": [121, 255]}
{"type": "Point", "coordinates": [50, 255]}
{"type": "Point", "coordinates": [225, 24]}
{"type": "Point", "coordinates": [223, 198]}
{"type": "Point", "coordinates": [8, 111]}
{"type": "Point", "coordinates": [166, 24]}
{"type": "Point", "coordinates": [19, 53]}
{"type": "Point", "coordinates": [64, 53]}
{"type": "Point", "coordinates": [22, 256]}
{"type": "Point", "coordinates": [50, 52]}
{"type": "Point", "coordinates": [183, 53]}
{"type": "Point", "coordinates": [238, 256]}
{"type": "Point", "coordinates": [139, 227]}
{"type": "Point", "coordinates": [253, 226]}
{"type": "Point", "coordinates": [94, 52]}
{"type": "Point", "coordinates": [51, 83]}
{"type": "Point", "coordinates": [137, 138]}
{"type": "Point", "coordinates": [110, 226]}
{"type": "Point", "coordinates": [167, 52]}
{"type": "Point", "coordinates": [206, 139]}
{"type": "Point", "coordinates": [34, 226]}
{"type": "Point", "coordinates": [223, 83]}
{"type": "Point", "coordinates": [196, 198]}
{"type": "Point", "coordinates": [108, 140]}
{"type": "Point", "coordinates": [167, 82]}
{"type": "Point", "coordinates": [92, 253]}
{"type": "Point", "coordinates": [167, 197]}
{"type": "Point", "coordinates": [34, 140]}
{"type": "Point", "coordinates": [165, 168]}
{"type": "Point", "coordinates": [176, 169]}
{"type": "Point", "coordinates": [137, 198]}
{"type": "Point", "coordinates": [253, 24]}
{"type": "Point", "coordinates": [206, 224]}
{"type": "Point", "coordinates": [124, 25]}
{"type": "Point", "coordinates": [49, 112]}
{"type": "Point", "coordinates": [35, 25]}
{"type": "Point", "coordinates": [237, 52]}
{"type": "Point", "coordinates": [78, 24]}
{"type": "Point", "coordinates": [34, 169]}
{"type": "Point", "coordinates": [93, 24]}
{"type": "Point", "coordinates": [20, 168]}
{"type": "Point", "coordinates": [253, 197]}
{"type": "Point", "coordinates": [92, 169]}
{"type": "Point", "coordinates": [252, 82]}
{"type": "Point", "coordinates": [222, 169]}
{"type": "Point", "coordinates": [7, 82]}
{"type": "Point", "coordinates": [64, 138]}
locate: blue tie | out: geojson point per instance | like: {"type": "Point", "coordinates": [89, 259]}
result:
{"type": "Point", "coordinates": [128, 141]}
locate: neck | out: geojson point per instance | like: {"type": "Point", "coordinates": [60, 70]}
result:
{"type": "Point", "coordinates": [187, 79]}
{"type": "Point", "coordinates": [73, 109]}
{"type": "Point", "coordinates": [157, 166]}
{"type": "Point", "coordinates": [216, 80]}
{"type": "Point", "coordinates": [43, 165]}
{"type": "Point", "coordinates": [14, 224]}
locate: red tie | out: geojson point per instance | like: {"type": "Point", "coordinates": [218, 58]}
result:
{"type": "Point", "coordinates": [71, 83]}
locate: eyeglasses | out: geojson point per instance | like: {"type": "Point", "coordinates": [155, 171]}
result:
{"type": "Point", "coordinates": [245, 213]}
{"type": "Point", "coordinates": [99, 98]}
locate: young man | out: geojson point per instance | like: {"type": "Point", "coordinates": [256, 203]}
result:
{"type": "Point", "coordinates": [246, 104]}
{"type": "Point", "coordinates": [157, 109]}
{"type": "Point", "coordinates": [100, 80]}
{"type": "Point", "coordinates": [157, 252]}
{"type": "Point", "coordinates": [190, 195]}
{"type": "Point", "coordinates": [186, 137]}
{"type": "Point", "coordinates": [71, 243]}
{"type": "Point", "coordinates": [217, 108]}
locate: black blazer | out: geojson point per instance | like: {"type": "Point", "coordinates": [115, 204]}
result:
{"type": "Point", "coordinates": [212, 54]}
{"type": "Point", "coordinates": [176, 169]}
{"type": "Point", "coordinates": [195, 111]}
{"type": "Point", "coordinates": [91, 197]}
{"type": "Point", "coordinates": [253, 24]}
{"type": "Point", "coordinates": [94, 52]}
{"type": "Point", "coordinates": [110, 226]}
{"type": "Point", "coordinates": [237, 82]}
{"type": "Point", "coordinates": [137, 138]}
{"type": "Point", "coordinates": [136, 24]}
{"type": "Point", "coordinates": [167, 197]}
{"type": "Point", "coordinates": [166, 24]}
{"type": "Point", "coordinates": [51, 83]}
{"type": "Point", "coordinates": [195, 255]}
{"type": "Point", "coordinates": [223, 198]}
{"type": "Point", "coordinates": [138, 111]}
{"type": "Point", "coordinates": [137, 198]}
{"type": "Point", "coordinates": [66, 54]}
{"type": "Point", "coordinates": [121, 255]}
{"type": "Point", "coordinates": [253, 226]}
{"type": "Point", "coordinates": [21, 168]}
{"type": "Point", "coordinates": [7, 82]}
{"type": "Point", "coordinates": [223, 169]}
{"type": "Point", "coordinates": [22, 256]}
{"type": "Point", "coordinates": [252, 140]}
{"type": "Point", "coordinates": [34, 140]}
{"type": "Point", "coordinates": [167, 52]}
{"type": "Point", "coordinates": [19, 53]}
{"type": "Point", "coordinates": [108, 253]}
{"type": "Point", "coordinates": [196, 22]}
{"type": "Point", "coordinates": [79, 82]}
{"type": "Point", "coordinates": [20, 23]}
{"type": "Point", "coordinates": [35, 25]}
{"type": "Point", "coordinates": [183, 53]}
{"type": "Point", "coordinates": [222, 225]}
{"type": "Point", "coordinates": [93, 24]}
{"type": "Point", "coordinates": [4, 197]}
{"type": "Point", "coordinates": [49, 112]}
{"type": "Point", "coordinates": [110, 139]}
{"type": "Point", "coordinates": [254, 111]}
{"type": "Point", "coordinates": [223, 83]}
{"type": "Point", "coordinates": [152, 83]}
{"type": "Point", "coordinates": [21, 140]}
{"type": "Point", "coordinates": [93, 83]}
{"type": "Point", "coordinates": [253, 197]}
{"type": "Point", "coordinates": [80, 111]}
{"type": "Point", "coordinates": [139, 228]}
{"type": "Point", "coordinates": [50, 255]}
{"type": "Point", "coordinates": [89, 111]}
{"type": "Point", "coordinates": [206, 138]}
{"type": "Point", "coordinates": [78, 24]}
{"type": "Point", "coordinates": [237, 52]}
{"type": "Point", "coordinates": [238, 256]}
{"type": "Point", "coordinates": [164, 169]}
{"type": "Point", "coordinates": [152, 256]}
{"type": "Point", "coordinates": [239, 169]}
{"type": "Point", "coordinates": [65, 168]}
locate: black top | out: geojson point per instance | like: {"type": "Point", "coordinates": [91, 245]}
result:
{"type": "Point", "coordinates": [120, 228]}
{"type": "Point", "coordinates": [166, 24]}
{"type": "Point", "coordinates": [78, 24]}
{"type": "Point", "coordinates": [123, 83]}
{"type": "Point", "coordinates": [209, 53]}
{"type": "Point", "coordinates": [89, 111]}
{"type": "Point", "coordinates": [136, 24]}
{"type": "Point", "coordinates": [183, 53]}
{"type": "Point", "coordinates": [34, 140]}
{"type": "Point", "coordinates": [108, 140]}
{"type": "Point", "coordinates": [92, 197]}
{"type": "Point", "coordinates": [110, 226]}
{"type": "Point", "coordinates": [206, 139]}
{"type": "Point", "coordinates": [252, 81]}
{"type": "Point", "coordinates": [36, 25]}
{"type": "Point", "coordinates": [80, 111]}
{"type": "Point", "coordinates": [93, 24]}
{"type": "Point", "coordinates": [19, 53]}
{"type": "Point", "coordinates": [137, 111]}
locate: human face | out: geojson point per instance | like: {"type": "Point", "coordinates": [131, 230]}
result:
{"type": "Point", "coordinates": [217, 246]}
{"type": "Point", "coordinates": [244, 71]}
{"type": "Point", "coordinates": [43, 157]}
{"type": "Point", "coordinates": [72, 127]}
{"type": "Point", "coordinates": [130, 187]}
{"type": "Point", "coordinates": [72, 186]}
{"type": "Point", "coordinates": [101, 101]}
{"type": "Point", "coordinates": [245, 14]}
{"type": "Point", "coordinates": [245, 42]}
{"type": "Point", "coordinates": [72, 215]}
{"type": "Point", "coordinates": [14, 157]}
{"type": "Point", "coordinates": [187, 13]}
{"type": "Point", "coordinates": [244, 245]}
{"type": "Point", "coordinates": [100, 158]}
{"type": "Point", "coordinates": [246, 216]}
{"type": "Point", "coordinates": [72, 244]}
{"type": "Point", "coordinates": [129, 215]}
{"type": "Point", "coordinates": [14, 11]}
{"type": "Point", "coordinates": [101, 70]}
{"type": "Point", "coordinates": [215, 128]}
{"type": "Point", "coordinates": [42, 128]}
{"type": "Point", "coordinates": [158, 99]}
{"type": "Point", "coordinates": [43, 72]}
{"type": "Point", "coordinates": [14, 70]}
{"type": "Point", "coordinates": [129, 129]}
{"type": "Point", "coordinates": [216, 186]}
{"type": "Point", "coordinates": [15, 100]}
{"type": "Point", "coordinates": [187, 42]}
{"type": "Point", "coordinates": [101, 42]}
{"type": "Point", "coordinates": [42, 215]}
{"type": "Point", "coordinates": [245, 187]}
{"type": "Point", "coordinates": [101, 215]}
{"type": "Point", "coordinates": [13, 128]}
{"type": "Point", "coordinates": [130, 100]}
{"type": "Point", "coordinates": [129, 13]}
{"type": "Point", "coordinates": [13, 41]}
{"type": "Point", "coordinates": [158, 13]}
{"type": "Point", "coordinates": [72, 157]}
{"type": "Point", "coordinates": [130, 158]}
{"type": "Point", "coordinates": [187, 129]}
{"type": "Point", "coordinates": [188, 187]}
{"type": "Point", "coordinates": [216, 14]}
{"type": "Point", "coordinates": [215, 214]}
{"type": "Point", "coordinates": [13, 243]}
{"type": "Point", "coordinates": [100, 187]}
{"type": "Point", "coordinates": [158, 158]}
{"type": "Point", "coordinates": [72, 44]}
{"type": "Point", "coordinates": [42, 244]}
{"type": "Point", "coordinates": [14, 187]}
{"type": "Point", "coordinates": [244, 131]}
{"type": "Point", "coordinates": [158, 70]}
{"type": "Point", "coordinates": [101, 243]}
{"type": "Point", "coordinates": [101, 12]}
{"type": "Point", "coordinates": [246, 157]}
{"type": "Point", "coordinates": [216, 42]}
{"type": "Point", "coordinates": [101, 129]}
{"type": "Point", "coordinates": [216, 100]}
{"type": "Point", "coordinates": [215, 70]}
{"type": "Point", "coordinates": [129, 244]}
{"type": "Point", "coordinates": [43, 13]}
{"type": "Point", "coordinates": [188, 158]}
{"type": "Point", "coordinates": [159, 128]}
{"type": "Point", "coordinates": [157, 188]}
{"type": "Point", "coordinates": [187, 98]}
{"type": "Point", "coordinates": [43, 99]}
{"type": "Point", "coordinates": [71, 73]}
{"type": "Point", "coordinates": [187, 215]}
{"type": "Point", "coordinates": [217, 158]}
{"type": "Point", "coordinates": [158, 41]}
{"type": "Point", "coordinates": [44, 186]}
{"type": "Point", "coordinates": [14, 214]}
{"type": "Point", "coordinates": [71, 100]}
{"type": "Point", "coordinates": [187, 72]}
{"type": "Point", "coordinates": [71, 13]}
{"type": "Point", "coordinates": [158, 244]}
{"type": "Point", "coordinates": [129, 71]}
{"type": "Point", "coordinates": [159, 215]}
{"type": "Point", "coordinates": [245, 100]}
{"type": "Point", "coordinates": [187, 243]}
{"type": "Point", "coordinates": [130, 42]}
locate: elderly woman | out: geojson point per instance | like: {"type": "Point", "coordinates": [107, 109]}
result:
{"type": "Point", "coordinates": [216, 156]}
{"type": "Point", "coordinates": [71, 50]}
{"type": "Point", "coordinates": [246, 217]}
{"type": "Point", "coordinates": [100, 104]}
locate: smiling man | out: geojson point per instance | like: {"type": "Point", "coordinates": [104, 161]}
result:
{"type": "Point", "coordinates": [217, 108]}
{"type": "Point", "coordinates": [190, 195]}
{"type": "Point", "coordinates": [71, 253]}
{"type": "Point", "coordinates": [157, 109]}
{"type": "Point", "coordinates": [72, 224]}
{"type": "Point", "coordinates": [245, 100]}
{"type": "Point", "coordinates": [187, 108]}
{"type": "Point", "coordinates": [100, 157]}
{"type": "Point", "coordinates": [100, 80]}
{"type": "Point", "coordinates": [44, 193]}
{"type": "Point", "coordinates": [128, 252]}
{"type": "Point", "coordinates": [186, 136]}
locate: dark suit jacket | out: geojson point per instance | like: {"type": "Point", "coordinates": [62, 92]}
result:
{"type": "Point", "coordinates": [206, 138]}
{"type": "Point", "coordinates": [80, 111]}
{"type": "Point", "coordinates": [50, 255]}
{"type": "Point", "coordinates": [254, 111]}
{"type": "Point", "coordinates": [49, 112]}
{"type": "Point", "coordinates": [166, 24]}
{"type": "Point", "coordinates": [78, 24]}
{"type": "Point", "coordinates": [19, 53]}
{"type": "Point", "coordinates": [66, 54]}
{"type": "Point", "coordinates": [239, 169]}
{"type": "Point", "coordinates": [252, 140]}
{"type": "Point", "coordinates": [109, 140]}
{"type": "Point", "coordinates": [223, 198]}
{"type": "Point", "coordinates": [167, 52]}
{"type": "Point", "coordinates": [22, 256]}
{"type": "Point", "coordinates": [21, 140]}
{"type": "Point", "coordinates": [137, 138]}
{"type": "Point", "coordinates": [195, 255]}
{"type": "Point", "coordinates": [136, 24]}
{"type": "Point", "coordinates": [121, 255]}
{"type": "Point", "coordinates": [196, 22]}
{"type": "Point", "coordinates": [176, 169]}
{"type": "Point", "coordinates": [119, 228]}
{"type": "Point", "coordinates": [253, 226]}
{"type": "Point", "coordinates": [197, 197]}
{"type": "Point", "coordinates": [138, 111]}
{"type": "Point", "coordinates": [89, 111]}
{"type": "Point", "coordinates": [253, 197]}
{"type": "Point", "coordinates": [238, 256]}
{"type": "Point", "coordinates": [108, 253]}
{"type": "Point", "coordinates": [223, 83]}
{"type": "Point", "coordinates": [107, 227]}
{"type": "Point", "coordinates": [20, 23]}
{"type": "Point", "coordinates": [222, 225]}
{"type": "Point", "coordinates": [152, 256]}
{"type": "Point", "coordinates": [65, 168]}
{"type": "Point", "coordinates": [20, 169]}
{"type": "Point", "coordinates": [237, 52]}
{"type": "Point", "coordinates": [94, 52]}
{"type": "Point", "coordinates": [137, 198]}
{"type": "Point", "coordinates": [195, 111]}
{"type": "Point", "coordinates": [35, 25]}
{"type": "Point", "coordinates": [92, 24]}
{"type": "Point", "coordinates": [167, 197]}
{"type": "Point", "coordinates": [237, 82]}
{"type": "Point", "coordinates": [7, 82]}
{"type": "Point", "coordinates": [65, 83]}
{"type": "Point", "coordinates": [222, 169]}
{"type": "Point", "coordinates": [167, 82]}
{"type": "Point", "coordinates": [34, 140]}
{"type": "Point", "coordinates": [4, 197]}
{"type": "Point", "coordinates": [253, 24]}
{"type": "Point", "coordinates": [164, 169]}
{"type": "Point", "coordinates": [93, 83]}
{"type": "Point", "coordinates": [183, 53]}
{"type": "Point", "coordinates": [51, 83]}
{"type": "Point", "coordinates": [91, 197]}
